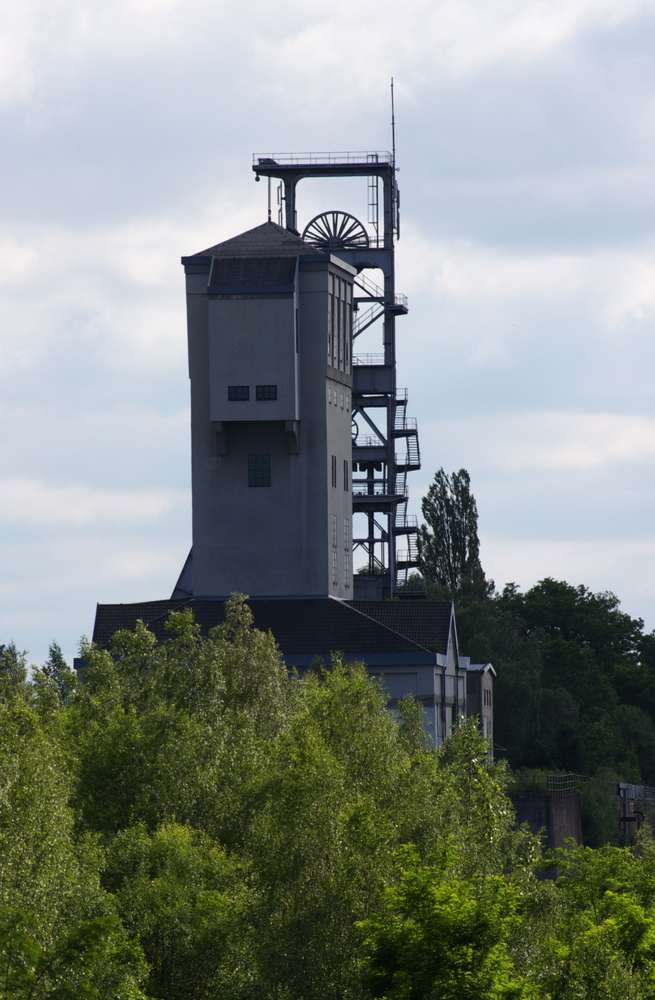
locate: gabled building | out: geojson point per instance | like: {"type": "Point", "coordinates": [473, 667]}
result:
{"type": "Point", "coordinates": [411, 647]}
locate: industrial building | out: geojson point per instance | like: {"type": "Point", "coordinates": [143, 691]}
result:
{"type": "Point", "coordinates": [301, 445]}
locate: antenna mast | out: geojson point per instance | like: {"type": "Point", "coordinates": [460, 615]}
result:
{"type": "Point", "coordinates": [393, 128]}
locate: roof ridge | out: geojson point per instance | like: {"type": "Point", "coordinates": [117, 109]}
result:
{"type": "Point", "coordinates": [386, 627]}
{"type": "Point", "coordinates": [262, 239]}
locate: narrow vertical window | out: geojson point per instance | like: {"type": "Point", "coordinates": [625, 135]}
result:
{"type": "Point", "coordinates": [334, 470]}
{"type": "Point", "coordinates": [335, 569]}
{"type": "Point", "coordinates": [259, 470]}
{"type": "Point", "coordinates": [330, 350]}
{"type": "Point", "coordinates": [349, 324]}
{"type": "Point", "coordinates": [335, 540]}
{"type": "Point", "coordinates": [346, 475]}
{"type": "Point", "coordinates": [346, 552]}
{"type": "Point", "coordinates": [341, 306]}
{"type": "Point", "coordinates": [332, 321]}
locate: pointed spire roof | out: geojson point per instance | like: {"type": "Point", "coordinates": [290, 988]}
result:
{"type": "Point", "coordinates": [267, 240]}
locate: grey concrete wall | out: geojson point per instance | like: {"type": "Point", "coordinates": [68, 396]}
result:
{"type": "Point", "coordinates": [252, 342]}
{"type": "Point", "coordinates": [275, 540]}
{"type": "Point", "coordinates": [558, 815]}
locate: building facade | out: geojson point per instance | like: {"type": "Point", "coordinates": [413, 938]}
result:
{"type": "Point", "coordinates": [270, 363]}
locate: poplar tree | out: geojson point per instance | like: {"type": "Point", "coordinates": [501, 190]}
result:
{"type": "Point", "coordinates": [449, 548]}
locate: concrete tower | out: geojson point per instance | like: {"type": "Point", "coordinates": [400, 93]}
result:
{"type": "Point", "coordinates": [270, 362]}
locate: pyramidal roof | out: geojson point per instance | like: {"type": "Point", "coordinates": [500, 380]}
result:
{"type": "Point", "coordinates": [267, 240]}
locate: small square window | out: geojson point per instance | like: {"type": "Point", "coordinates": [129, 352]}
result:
{"type": "Point", "coordinates": [238, 393]}
{"type": "Point", "coordinates": [259, 470]}
{"type": "Point", "coordinates": [266, 392]}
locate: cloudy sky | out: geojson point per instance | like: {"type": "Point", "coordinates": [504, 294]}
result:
{"type": "Point", "coordinates": [526, 142]}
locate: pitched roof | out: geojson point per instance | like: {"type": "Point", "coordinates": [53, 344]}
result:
{"type": "Point", "coordinates": [426, 623]}
{"type": "Point", "coordinates": [301, 626]}
{"type": "Point", "coordinates": [267, 240]}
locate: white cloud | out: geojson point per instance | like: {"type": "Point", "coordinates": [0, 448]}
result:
{"type": "Point", "coordinates": [558, 441]}
{"type": "Point", "coordinates": [300, 42]}
{"type": "Point", "coordinates": [122, 286]}
{"type": "Point", "coordinates": [419, 40]}
{"type": "Point", "coordinates": [33, 502]}
{"type": "Point", "coordinates": [616, 288]}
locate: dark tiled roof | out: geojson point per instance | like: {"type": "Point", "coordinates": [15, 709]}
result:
{"type": "Point", "coordinates": [267, 240]}
{"type": "Point", "coordinates": [112, 618]}
{"type": "Point", "coordinates": [301, 626]}
{"type": "Point", "coordinates": [253, 271]}
{"type": "Point", "coordinates": [427, 623]}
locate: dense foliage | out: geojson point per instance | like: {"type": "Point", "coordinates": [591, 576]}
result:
{"type": "Point", "coordinates": [575, 687]}
{"type": "Point", "coordinates": [192, 822]}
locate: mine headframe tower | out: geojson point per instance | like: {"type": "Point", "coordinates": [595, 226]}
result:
{"type": "Point", "coordinates": [380, 422]}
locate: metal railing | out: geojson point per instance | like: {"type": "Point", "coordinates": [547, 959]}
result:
{"type": "Point", "coordinates": [412, 457]}
{"type": "Point", "coordinates": [363, 318]}
{"type": "Point", "coordinates": [561, 784]}
{"type": "Point", "coordinates": [551, 784]}
{"type": "Point", "coordinates": [374, 488]}
{"type": "Point", "coordinates": [359, 156]}
{"type": "Point", "coordinates": [405, 423]}
{"type": "Point", "coordinates": [373, 290]}
{"type": "Point", "coordinates": [408, 556]}
{"type": "Point", "coordinates": [368, 359]}
{"type": "Point", "coordinates": [368, 441]}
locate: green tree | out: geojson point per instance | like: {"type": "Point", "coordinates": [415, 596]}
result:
{"type": "Point", "coordinates": [449, 548]}
{"type": "Point", "coordinates": [601, 937]}
{"type": "Point", "coordinates": [187, 902]}
{"type": "Point", "coordinates": [57, 670]}
{"type": "Point", "coordinates": [438, 937]}
{"type": "Point", "coordinates": [59, 934]}
{"type": "Point", "coordinates": [13, 672]}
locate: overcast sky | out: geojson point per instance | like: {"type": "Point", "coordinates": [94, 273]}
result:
{"type": "Point", "coordinates": [526, 147]}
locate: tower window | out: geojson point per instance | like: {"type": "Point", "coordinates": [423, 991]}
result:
{"type": "Point", "coordinates": [238, 393]}
{"type": "Point", "coordinates": [335, 568]}
{"type": "Point", "coordinates": [346, 476]}
{"type": "Point", "coordinates": [346, 534]}
{"type": "Point", "coordinates": [334, 470]}
{"type": "Point", "coordinates": [266, 392]}
{"type": "Point", "coordinates": [334, 531]}
{"type": "Point", "coordinates": [259, 470]}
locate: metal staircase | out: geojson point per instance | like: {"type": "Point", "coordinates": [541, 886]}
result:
{"type": "Point", "coordinates": [385, 439]}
